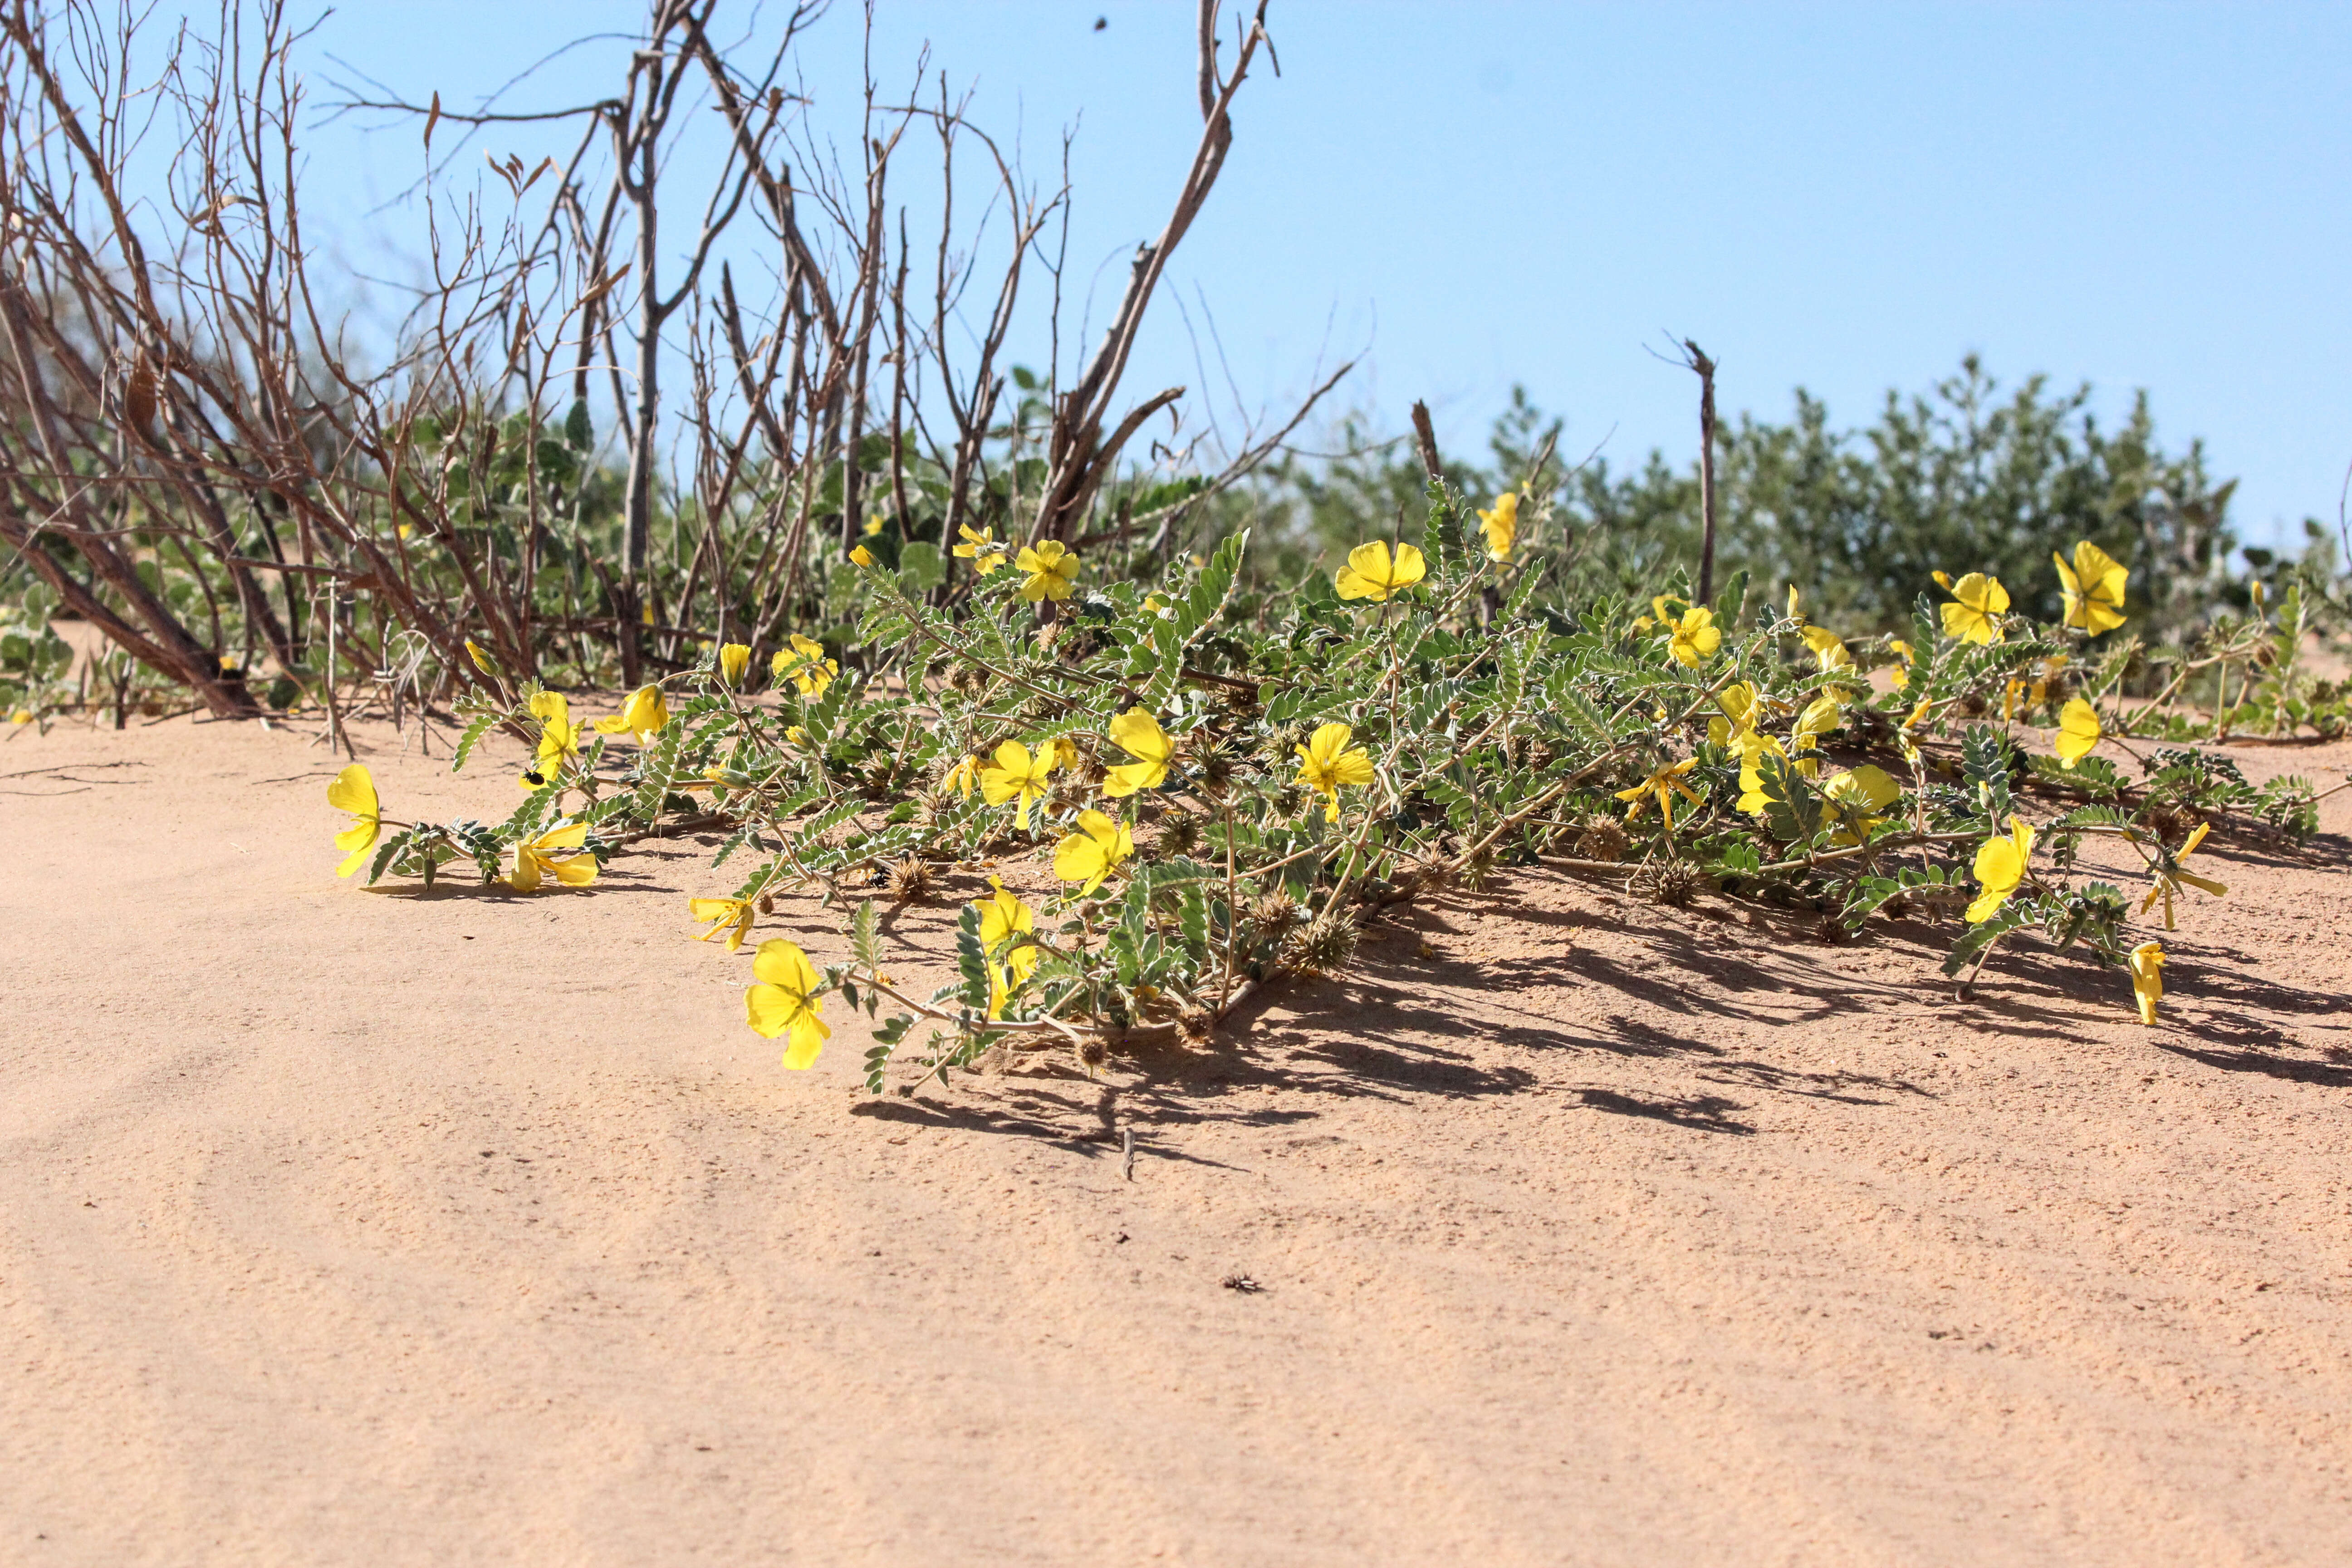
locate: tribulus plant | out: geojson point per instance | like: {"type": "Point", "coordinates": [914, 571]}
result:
{"type": "Point", "coordinates": [1425, 718]}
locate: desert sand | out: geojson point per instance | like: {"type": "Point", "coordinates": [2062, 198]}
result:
{"type": "Point", "coordinates": [341, 1226]}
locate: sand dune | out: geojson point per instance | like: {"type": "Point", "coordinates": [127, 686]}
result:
{"type": "Point", "coordinates": [367, 1227]}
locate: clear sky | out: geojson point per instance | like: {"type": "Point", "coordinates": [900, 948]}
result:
{"type": "Point", "coordinates": [1845, 197]}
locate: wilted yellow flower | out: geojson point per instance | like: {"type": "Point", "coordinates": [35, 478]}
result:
{"type": "Point", "coordinates": [1138, 734]}
{"type": "Point", "coordinates": [1328, 763]}
{"type": "Point", "coordinates": [642, 716]}
{"type": "Point", "coordinates": [1792, 604]}
{"type": "Point", "coordinates": [2147, 978]}
{"type": "Point", "coordinates": [1053, 570]}
{"type": "Point", "coordinates": [1372, 573]}
{"type": "Point", "coordinates": [1093, 852]}
{"type": "Point", "coordinates": [1977, 599]}
{"type": "Point", "coordinates": [785, 1000]}
{"type": "Point", "coordinates": [1695, 638]}
{"type": "Point", "coordinates": [2170, 878]}
{"type": "Point", "coordinates": [2000, 865]}
{"type": "Point", "coordinates": [544, 856]}
{"type": "Point", "coordinates": [962, 777]}
{"type": "Point", "coordinates": [804, 665]}
{"type": "Point", "coordinates": [1014, 774]}
{"type": "Point", "coordinates": [1666, 784]}
{"type": "Point", "coordinates": [1821, 716]}
{"type": "Point", "coordinates": [1737, 702]}
{"type": "Point", "coordinates": [1066, 754]}
{"type": "Point", "coordinates": [1829, 648]}
{"type": "Point", "coordinates": [863, 557]}
{"type": "Point", "coordinates": [1903, 740]}
{"type": "Point", "coordinates": [2094, 588]}
{"type": "Point", "coordinates": [1502, 525]}
{"type": "Point", "coordinates": [733, 661]}
{"type": "Point", "coordinates": [481, 660]}
{"type": "Point", "coordinates": [732, 916]}
{"type": "Point", "coordinates": [2078, 732]}
{"type": "Point", "coordinates": [354, 792]}
{"type": "Point", "coordinates": [979, 548]}
{"type": "Point", "coordinates": [1860, 794]}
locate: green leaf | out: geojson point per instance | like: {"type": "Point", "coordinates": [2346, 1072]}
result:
{"type": "Point", "coordinates": [971, 960]}
{"type": "Point", "coordinates": [1986, 757]}
{"type": "Point", "coordinates": [481, 726]}
{"type": "Point", "coordinates": [862, 938]}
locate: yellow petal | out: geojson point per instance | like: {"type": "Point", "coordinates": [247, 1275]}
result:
{"type": "Point", "coordinates": [770, 1010]}
{"type": "Point", "coordinates": [809, 1035]}
{"type": "Point", "coordinates": [781, 962]}
{"type": "Point", "coordinates": [358, 851]}
{"type": "Point", "coordinates": [353, 791]}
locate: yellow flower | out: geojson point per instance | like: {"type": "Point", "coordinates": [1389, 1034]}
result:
{"type": "Point", "coordinates": [1014, 774]}
{"type": "Point", "coordinates": [2009, 696]}
{"type": "Point", "coordinates": [2000, 865]}
{"type": "Point", "coordinates": [1370, 574]}
{"type": "Point", "coordinates": [559, 737]}
{"type": "Point", "coordinates": [1829, 648]}
{"type": "Point", "coordinates": [804, 665]}
{"type": "Point", "coordinates": [21, 716]}
{"type": "Point", "coordinates": [354, 792]}
{"type": "Point", "coordinates": [1502, 525]}
{"type": "Point", "coordinates": [481, 660]}
{"type": "Point", "coordinates": [1737, 702]}
{"type": "Point", "coordinates": [1328, 763]}
{"type": "Point", "coordinates": [544, 857]}
{"type": "Point", "coordinates": [785, 999]}
{"type": "Point", "coordinates": [2078, 732]}
{"type": "Point", "coordinates": [863, 557]}
{"type": "Point", "coordinates": [962, 777]}
{"type": "Point", "coordinates": [979, 548]}
{"type": "Point", "coordinates": [1052, 571]}
{"type": "Point", "coordinates": [1696, 637]}
{"type": "Point", "coordinates": [1093, 852]}
{"type": "Point", "coordinates": [1861, 794]}
{"type": "Point", "coordinates": [873, 526]}
{"type": "Point", "coordinates": [1003, 916]}
{"type": "Point", "coordinates": [2170, 877]}
{"type": "Point", "coordinates": [1066, 754]}
{"type": "Point", "coordinates": [732, 916]}
{"type": "Point", "coordinates": [1901, 677]}
{"type": "Point", "coordinates": [1792, 604]}
{"type": "Point", "coordinates": [642, 716]}
{"type": "Point", "coordinates": [1976, 600]}
{"type": "Point", "coordinates": [733, 661]}
{"type": "Point", "coordinates": [2094, 588]}
{"type": "Point", "coordinates": [1666, 784]}
{"type": "Point", "coordinates": [2147, 978]}
{"type": "Point", "coordinates": [1138, 734]}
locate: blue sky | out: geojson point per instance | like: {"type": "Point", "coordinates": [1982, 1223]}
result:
{"type": "Point", "coordinates": [1844, 197]}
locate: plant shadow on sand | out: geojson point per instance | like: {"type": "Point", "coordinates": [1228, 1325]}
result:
{"type": "Point", "coordinates": [1408, 1023]}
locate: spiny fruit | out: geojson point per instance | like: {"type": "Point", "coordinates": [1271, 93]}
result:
{"type": "Point", "coordinates": [1601, 837]}
{"type": "Point", "coordinates": [910, 879]}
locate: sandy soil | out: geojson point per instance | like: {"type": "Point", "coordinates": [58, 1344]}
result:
{"type": "Point", "coordinates": [349, 1228]}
